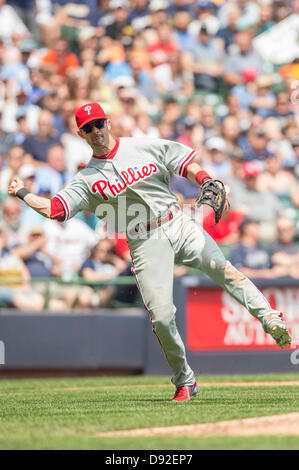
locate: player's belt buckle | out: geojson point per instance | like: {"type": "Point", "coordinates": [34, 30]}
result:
{"type": "Point", "coordinates": [140, 228]}
{"type": "Point", "coordinates": [160, 221]}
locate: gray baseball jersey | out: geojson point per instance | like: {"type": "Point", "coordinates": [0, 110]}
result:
{"type": "Point", "coordinates": [137, 171]}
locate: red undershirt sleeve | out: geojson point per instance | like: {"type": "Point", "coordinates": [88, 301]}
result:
{"type": "Point", "coordinates": [57, 209]}
{"type": "Point", "coordinates": [184, 174]}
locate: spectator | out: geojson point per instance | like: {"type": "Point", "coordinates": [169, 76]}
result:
{"type": "Point", "coordinates": [172, 114]}
{"type": "Point", "coordinates": [53, 176]}
{"type": "Point", "coordinates": [38, 145]}
{"type": "Point", "coordinates": [59, 59]}
{"type": "Point", "coordinates": [20, 105]}
{"type": "Point", "coordinates": [120, 10]}
{"type": "Point", "coordinates": [205, 62]}
{"type": "Point", "coordinates": [13, 69]}
{"type": "Point", "coordinates": [6, 139]}
{"type": "Point", "coordinates": [23, 129]}
{"type": "Point", "coordinates": [219, 167]}
{"type": "Point", "coordinates": [130, 102]}
{"type": "Point", "coordinates": [92, 221]}
{"type": "Point", "coordinates": [87, 45]}
{"type": "Point", "coordinates": [171, 79]}
{"type": "Point", "coordinates": [250, 14]}
{"type": "Point", "coordinates": [209, 122]}
{"type": "Point", "coordinates": [249, 257]}
{"type": "Point", "coordinates": [230, 131]}
{"type": "Point", "coordinates": [73, 14]}
{"type": "Point", "coordinates": [246, 91]}
{"type": "Point", "coordinates": [29, 55]}
{"type": "Point", "coordinates": [52, 102]}
{"type": "Point", "coordinates": [41, 265]}
{"type": "Point", "coordinates": [186, 191]}
{"type": "Point", "coordinates": [139, 16]}
{"type": "Point", "coordinates": [264, 101]}
{"type": "Point", "coordinates": [103, 16]}
{"type": "Point", "coordinates": [27, 174]}
{"type": "Point", "coordinates": [144, 127]}
{"type": "Point", "coordinates": [187, 129]}
{"type": "Point", "coordinates": [205, 16]}
{"type": "Point", "coordinates": [263, 207]}
{"type": "Point", "coordinates": [255, 145]}
{"type": "Point", "coordinates": [227, 229]}
{"type": "Point", "coordinates": [160, 50]}
{"type": "Point", "coordinates": [19, 295]}
{"type": "Point", "coordinates": [10, 23]}
{"type": "Point", "coordinates": [79, 87]}
{"type": "Point", "coordinates": [236, 109]}
{"type": "Point", "coordinates": [235, 179]}
{"type": "Point", "coordinates": [14, 161]}
{"type": "Point", "coordinates": [161, 10]}
{"type": "Point", "coordinates": [38, 85]}
{"type": "Point", "coordinates": [174, 6]}
{"type": "Point", "coordinates": [70, 243]}
{"type": "Point", "coordinates": [35, 256]}
{"type": "Point", "coordinates": [227, 33]}
{"type": "Point", "coordinates": [141, 72]}
{"type": "Point", "coordinates": [280, 182]}
{"type": "Point", "coordinates": [25, 9]}
{"type": "Point", "coordinates": [11, 222]}
{"type": "Point", "coordinates": [282, 110]}
{"type": "Point", "coordinates": [266, 18]}
{"type": "Point", "coordinates": [284, 252]}
{"type": "Point", "coordinates": [166, 130]}
{"type": "Point", "coordinates": [291, 131]}
{"type": "Point", "coordinates": [295, 146]}
{"type": "Point", "coordinates": [245, 59]}
{"type": "Point", "coordinates": [102, 265]}
{"type": "Point", "coordinates": [279, 142]}
{"type": "Point", "coordinates": [182, 36]}
{"type": "Point", "coordinates": [29, 219]}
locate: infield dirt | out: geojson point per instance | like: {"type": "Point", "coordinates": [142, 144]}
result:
{"type": "Point", "coordinates": [285, 424]}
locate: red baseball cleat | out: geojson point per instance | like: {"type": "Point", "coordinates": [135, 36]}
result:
{"type": "Point", "coordinates": [185, 392]}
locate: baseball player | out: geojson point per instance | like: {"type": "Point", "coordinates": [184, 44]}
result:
{"type": "Point", "coordinates": [129, 176]}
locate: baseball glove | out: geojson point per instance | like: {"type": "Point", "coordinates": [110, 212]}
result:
{"type": "Point", "coordinates": [213, 193]}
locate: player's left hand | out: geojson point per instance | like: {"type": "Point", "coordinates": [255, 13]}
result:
{"type": "Point", "coordinates": [213, 193]}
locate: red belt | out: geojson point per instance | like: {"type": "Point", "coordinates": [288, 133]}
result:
{"type": "Point", "coordinates": [162, 220]}
{"type": "Point", "coordinates": [157, 223]}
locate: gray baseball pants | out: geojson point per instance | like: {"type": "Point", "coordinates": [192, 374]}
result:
{"type": "Point", "coordinates": [183, 241]}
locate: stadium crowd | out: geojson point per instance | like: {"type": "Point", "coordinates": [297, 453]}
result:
{"type": "Point", "coordinates": [180, 70]}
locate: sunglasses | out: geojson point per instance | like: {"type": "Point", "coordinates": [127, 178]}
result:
{"type": "Point", "coordinates": [99, 124]}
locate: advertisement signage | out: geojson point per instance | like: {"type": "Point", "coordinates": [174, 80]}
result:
{"type": "Point", "coordinates": [215, 321]}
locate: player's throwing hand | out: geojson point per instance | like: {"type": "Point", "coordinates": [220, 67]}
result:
{"type": "Point", "coordinates": [15, 185]}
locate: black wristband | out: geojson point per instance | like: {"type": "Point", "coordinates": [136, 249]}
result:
{"type": "Point", "coordinates": [21, 193]}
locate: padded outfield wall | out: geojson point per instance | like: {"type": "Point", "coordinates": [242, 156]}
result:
{"type": "Point", "coordinates": [220, 336]}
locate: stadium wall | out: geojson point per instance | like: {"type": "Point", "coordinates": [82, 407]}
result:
{"type": "Point", "coordinates": [220, 337]}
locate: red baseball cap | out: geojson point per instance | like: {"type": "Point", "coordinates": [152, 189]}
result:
{"type": "Point", "coordinates": [88, 112]}
{"type": "Point", "coordinates": [251, 168]}
{"type": "Point", "coordinates": [249, 74]}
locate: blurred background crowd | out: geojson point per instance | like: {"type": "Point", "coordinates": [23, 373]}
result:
{"type": "Point", "coordinates": [195, 72]}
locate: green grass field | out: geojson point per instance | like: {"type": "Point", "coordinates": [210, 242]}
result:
{"type": "Point", "coordinates": [68, 413]}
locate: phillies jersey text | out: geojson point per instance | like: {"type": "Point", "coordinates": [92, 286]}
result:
{"type": "Point", "coordinates": [137, 172]}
